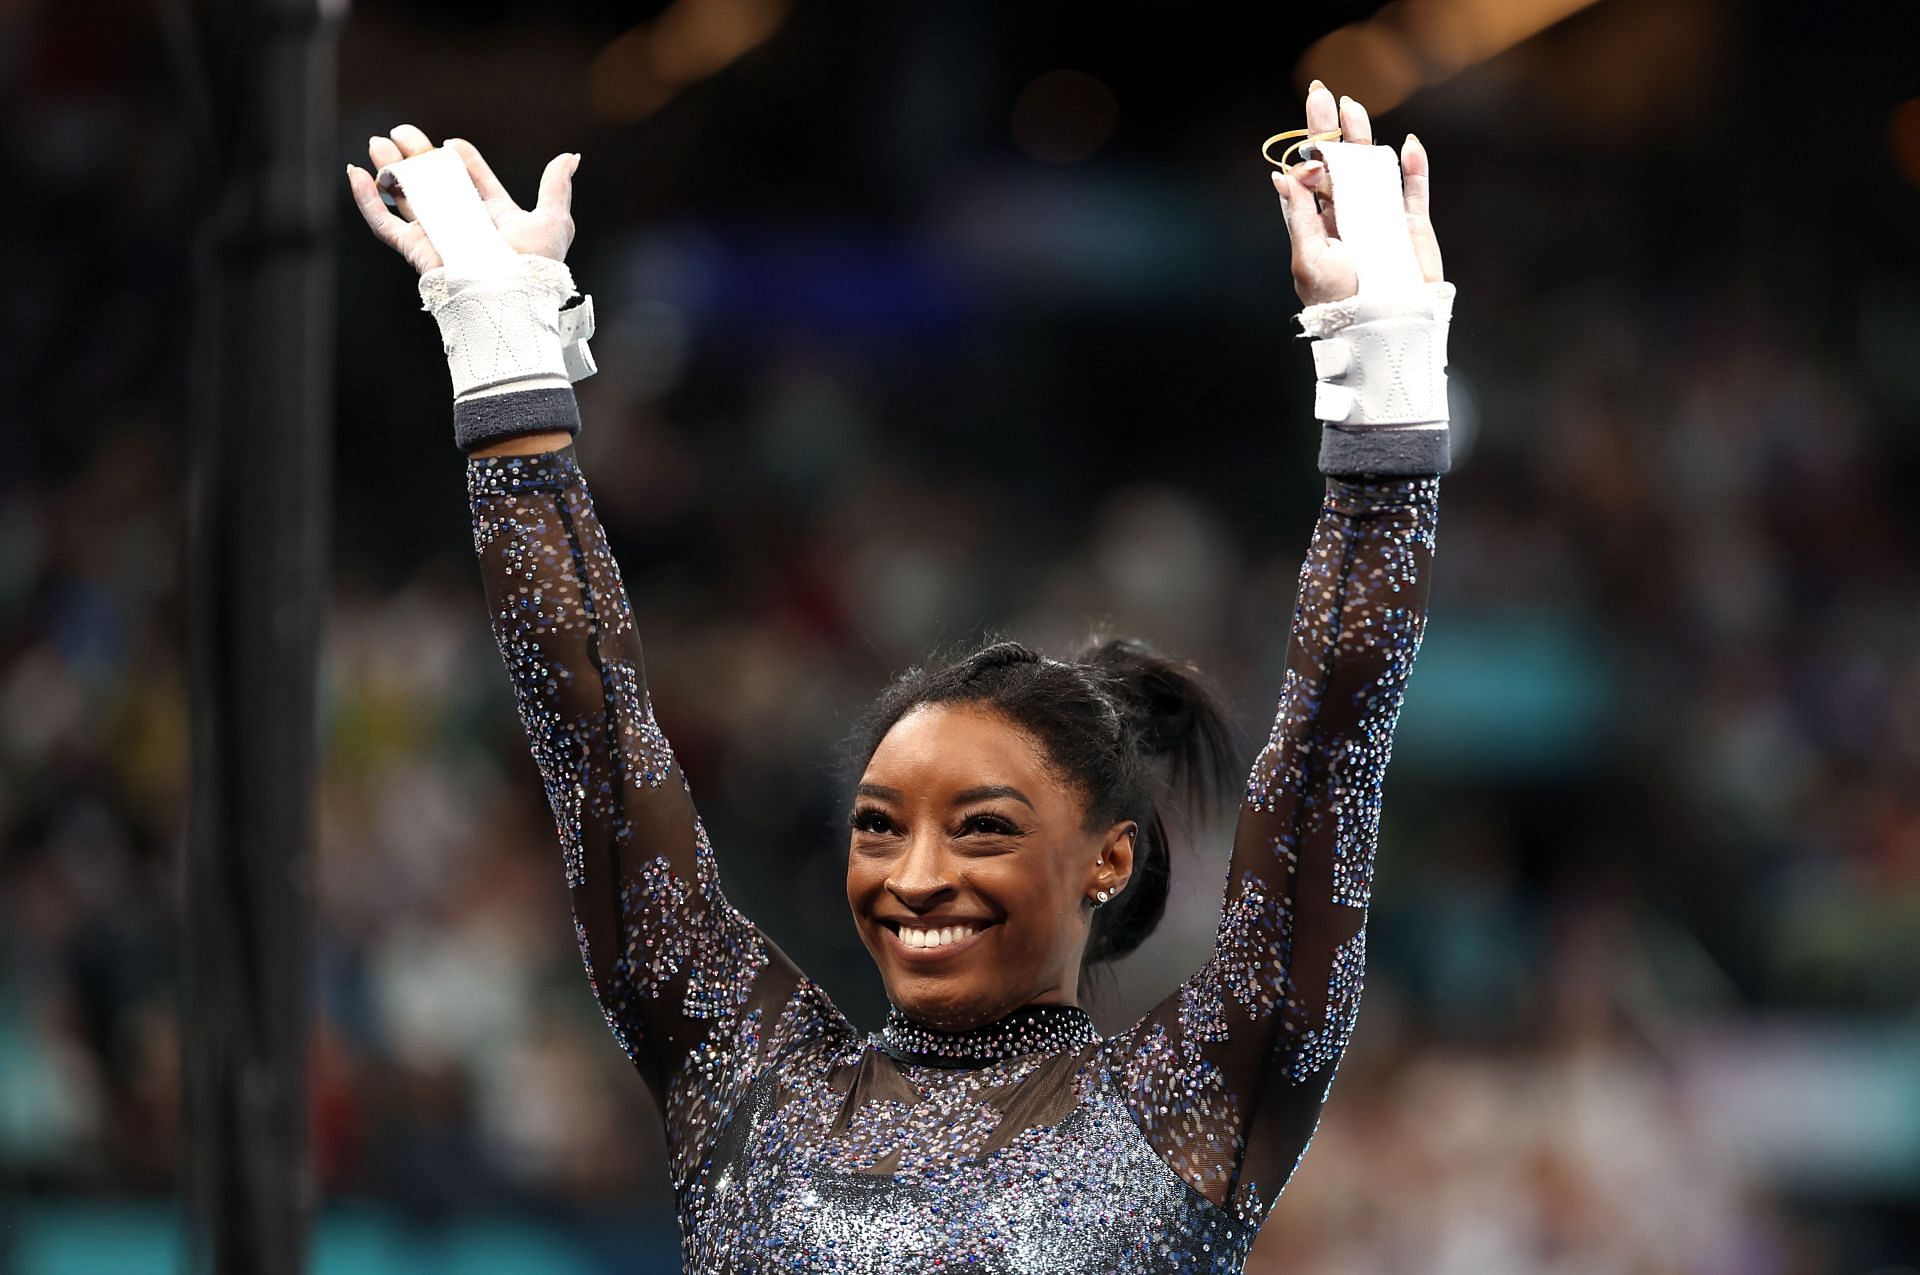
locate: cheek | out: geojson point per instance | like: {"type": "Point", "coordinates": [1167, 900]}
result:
{"type": "Point", "coordinates": [864, 877]}
{"type": "Point", "coordinates": [1053, 891]}
{"type": "Point", "coordinates": [1033, 894]}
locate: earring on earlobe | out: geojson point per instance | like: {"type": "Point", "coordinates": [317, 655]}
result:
{"type": "Point", "coordinates": [1099, 897]}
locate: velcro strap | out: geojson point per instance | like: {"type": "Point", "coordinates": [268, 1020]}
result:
{"type": "Point", "coordinates": [1331, 357]}
{"type": "Point", "coordinates": [1332, 403]}
{"type": "Point", "coordinates": [1390, 370]}
{"type": "Point", "coordinates": [576, 325]}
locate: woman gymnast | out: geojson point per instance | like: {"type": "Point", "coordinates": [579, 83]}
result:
{"type": "Point", "coordinates": [1006, 831]}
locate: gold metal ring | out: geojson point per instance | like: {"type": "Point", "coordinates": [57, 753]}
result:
{"type": "Point", "coordinates": [1302, 136]}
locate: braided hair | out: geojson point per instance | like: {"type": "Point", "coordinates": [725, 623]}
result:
{"type": "Point", "coordinates": [1133, 729]}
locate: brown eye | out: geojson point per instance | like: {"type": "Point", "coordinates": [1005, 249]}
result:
{"type": "Point", "coordinates": [871, 819]}
{"type": "Point", "coordinates": [991, 824]}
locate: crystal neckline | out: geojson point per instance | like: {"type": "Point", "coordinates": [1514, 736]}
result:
{"type": "Point", "coordinates": [1035, 1029]}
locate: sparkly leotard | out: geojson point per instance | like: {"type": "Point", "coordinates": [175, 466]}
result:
{"type": "Point", "coordinates": [1032, 1145]}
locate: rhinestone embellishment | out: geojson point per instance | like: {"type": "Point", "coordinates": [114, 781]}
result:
{"type": "Point", "coordinates": [1037, 1029]}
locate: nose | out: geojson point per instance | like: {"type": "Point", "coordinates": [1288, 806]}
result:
{"type": "Point", "coordinates": [919, 876]}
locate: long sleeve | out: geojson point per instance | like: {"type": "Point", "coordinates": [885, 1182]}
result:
{"type": "Point", "coordinates": [1228, 1074]}
{"type": "Point", "coordinates": [695, 994]}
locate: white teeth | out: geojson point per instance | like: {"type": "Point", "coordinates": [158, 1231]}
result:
{"type": "Point", "coordinates": [936, 938]}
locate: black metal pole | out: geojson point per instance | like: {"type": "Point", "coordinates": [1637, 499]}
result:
{"type": "Point", "coordinates": [258, 549]}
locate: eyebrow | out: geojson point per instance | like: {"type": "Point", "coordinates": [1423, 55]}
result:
{"type": "Point", "coordinates": [959, 799]}
{"type": "Point", "coordinates": [992, 790]}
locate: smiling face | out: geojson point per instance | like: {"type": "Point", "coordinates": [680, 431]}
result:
{"type": "Point", "coordinates": [971, 870]}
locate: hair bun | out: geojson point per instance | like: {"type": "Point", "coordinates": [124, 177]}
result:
{"type": "Point", "coordinates": [1000, 655]}
{"type": "Point", "coordinates": [1173, 710]}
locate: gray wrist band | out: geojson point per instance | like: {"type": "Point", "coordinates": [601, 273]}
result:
{"type": "Point", "coordinates": [480, 421]}
{"type": "Point", "coordinates": [1420, 450]}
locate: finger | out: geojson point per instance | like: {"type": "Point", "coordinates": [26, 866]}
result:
{"type": "Point", "coordinates": [1322, 114]}
{"type": "Point", "coordinates": [1426, 245]}
{"type": "Point", "coordinates": [1354, 125]}
{"type": "Point", "coordinates": [1318, 182]}
{"type": "Point", "coordinates": [1413, 170]}
{"type": "Point", "coordinates": [1305, 226]}
{"type": "Point", "coordinates": [380, 153]}
{"type": "Point", "coordinates": [1313, 175]}
{"type": "Point", "coordinates": [411, 140]}
{"type": "Point", "coordinates": [556, 185]}
{"type": "Point", "coordinates": [482, 173]}
{"type": "Point", "coordinates": [387, 228]}
{"type": "Point", "coordinates": [366, 197]}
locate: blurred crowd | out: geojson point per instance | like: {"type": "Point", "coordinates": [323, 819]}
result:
{"type": "Point", "coordinates": [1641, 998]}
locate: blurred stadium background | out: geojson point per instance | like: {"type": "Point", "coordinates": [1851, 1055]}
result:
{"type": "Point", "coordinates": [917, 321]}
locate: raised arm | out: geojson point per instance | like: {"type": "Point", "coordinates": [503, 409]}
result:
{"type": "Point", "coordinates": [1227, 1075]}
{"type": "Point", "coordinates": [683, 978]}
{"type": "Point", "coordinates": [693, 992]}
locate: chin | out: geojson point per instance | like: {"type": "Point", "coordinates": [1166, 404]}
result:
{"type": "Point", "coordinates": [946, 1003]}
{"type": "Point", "coordinates": [943, 1014]}
{"type": "Point", "coordinates": [965, 989]}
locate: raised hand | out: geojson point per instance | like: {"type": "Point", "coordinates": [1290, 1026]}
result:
{"type": "Point", "coordinates": [546, 231]}
{"type": "Point", "coordinates": [1322, 268]}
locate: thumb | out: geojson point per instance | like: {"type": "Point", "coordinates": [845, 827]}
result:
{"type": "Point", "coordinates": [556, 184]}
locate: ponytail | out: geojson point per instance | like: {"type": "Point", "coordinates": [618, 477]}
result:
{"type": "Point", "coordinates": [1179, 733]}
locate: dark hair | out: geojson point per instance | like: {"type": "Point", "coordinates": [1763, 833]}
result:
{"type": "Point", "coordinates": [1133, 729]}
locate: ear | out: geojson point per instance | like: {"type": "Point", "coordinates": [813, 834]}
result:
{"type": "Point", "coordinates": [1115, 866]}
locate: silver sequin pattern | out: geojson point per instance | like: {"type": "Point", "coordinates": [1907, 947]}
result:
{"type": "Point", "coordinates": [1031, 1145]}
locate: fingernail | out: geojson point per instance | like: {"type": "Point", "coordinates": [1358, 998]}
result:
{"type": "Point", "coordinates": [1414, 142]}
{"type": "Point", "coordinates": [1316, 87]}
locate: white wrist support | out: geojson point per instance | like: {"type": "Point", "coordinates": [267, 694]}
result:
{"type": "Point", "coordinates": [500, 313]}
{"type": "Point", "coordinates": [1379, 356]}
{"type": "Point", "coordinates": [508, 331]}
{"type": "Point", "coordinates": [1381, 360]}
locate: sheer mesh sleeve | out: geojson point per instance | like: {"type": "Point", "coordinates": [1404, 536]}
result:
{"type": "Point", "coordinates": [1227, 1075]}
{"type": "Point", "coordinates": [697, 996]}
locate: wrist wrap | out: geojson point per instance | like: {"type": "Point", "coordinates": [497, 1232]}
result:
{"type": "Point", "coordinates": [512, 325]}
{"type": "Point", "coordinates": [1379, 356]}
{"type": "Point", "coordinates": [508, 333]}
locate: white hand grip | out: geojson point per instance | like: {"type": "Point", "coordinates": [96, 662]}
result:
{"type": "Point", "coordinates": [1371, 209]}
{"type": "Point", "coordinates": [448, 208]}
